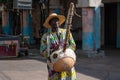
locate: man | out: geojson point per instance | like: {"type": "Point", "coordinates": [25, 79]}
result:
{"type": "Point", "coordinates": [56, 41]}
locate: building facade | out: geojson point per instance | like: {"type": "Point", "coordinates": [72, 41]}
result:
{"type": "Point", "coordinates": [98, 27]}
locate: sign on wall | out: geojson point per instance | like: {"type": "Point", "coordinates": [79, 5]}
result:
{"type": "Point", "coordinates": [22, 4]}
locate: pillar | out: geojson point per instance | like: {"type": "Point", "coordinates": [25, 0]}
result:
{"type": "Point", "coordinates": [24, 26]}
{"type": "Point", "coordinates": [97, 28]}
{"type": "Point", "coordinates": [118, 25]}
{"type": "Point", "coordinates": [6, 22]}
{"type": "Point", "coordinates": [91, 31]}
{"type": "Point", "coordinates": [31, 40]}
{"type": "Point", "coordinates": [10, 23]}
{"type": "Point", "coordinates": [87, 26]}
{"type": "Point", "coordinates": [25, 30]}
{"type": "Point", "coordinates": [5, 27]}
{"type": "Point", "coordinates": [91, 28]}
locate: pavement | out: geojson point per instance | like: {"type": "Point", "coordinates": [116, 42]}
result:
{"type": "Point", "coordinates": [99, 68]}
{"type": "Point", "coordinates": [33, 67]}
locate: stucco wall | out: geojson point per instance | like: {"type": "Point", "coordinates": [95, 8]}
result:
{"type": "Point", "coordinates": [109, 1]}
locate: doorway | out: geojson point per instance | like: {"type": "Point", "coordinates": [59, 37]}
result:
{"type": "Point", "coordinates": [16, 22]}
{"type": "Point", "coordinates": [0, 22]}
{"type": "Point", "coordinates": [110, 18]}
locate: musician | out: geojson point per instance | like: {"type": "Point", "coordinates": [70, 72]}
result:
{"type": "Point", "coordinates": [57, 38]}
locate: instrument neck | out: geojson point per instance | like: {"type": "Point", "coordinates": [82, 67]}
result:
{"type": "Point", "coordinates": [69, 22]}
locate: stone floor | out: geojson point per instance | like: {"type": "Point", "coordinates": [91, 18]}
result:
{"type": "Point", "coordinates": [33, 67]}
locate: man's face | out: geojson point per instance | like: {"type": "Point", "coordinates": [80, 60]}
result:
{"type": "Point", "coordinates": [54, 24]}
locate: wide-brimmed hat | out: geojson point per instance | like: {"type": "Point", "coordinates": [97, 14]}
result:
{"type": "Point", "coordinates": [54, 15]}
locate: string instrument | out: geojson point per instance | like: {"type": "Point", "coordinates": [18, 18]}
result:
{"type": "Point", "coordinates": [64, 59]}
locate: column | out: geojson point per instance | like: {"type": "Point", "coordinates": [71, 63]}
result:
{"type": "Point", "coordinates": [118, 25]}
{"type": "Point", "coordinates": [96, 28]}
{"type": "Point", "coordinates": [25, 30]}
{"type": "Point", "coordinates": [91, 31]}
{"type": "Point", "coordinates": [87, 27]}
{"type": "Point", "coordinates": [5, 27]}
{"type": "Point", "coordinates": [25, 27]}
{"type": "Point", "coordinates": [31, 40]}
{"type": "Point", "coordinates": [10, 23]}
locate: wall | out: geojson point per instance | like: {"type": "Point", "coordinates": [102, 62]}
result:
{"type": "Point", "coordinates": [109, 1]}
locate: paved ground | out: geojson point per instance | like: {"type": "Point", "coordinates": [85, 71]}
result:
{"type": "Point", "coordinates": [33, 67]}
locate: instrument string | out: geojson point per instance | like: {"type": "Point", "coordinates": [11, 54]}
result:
{"type": "Point", "coordinates": [75, 12]}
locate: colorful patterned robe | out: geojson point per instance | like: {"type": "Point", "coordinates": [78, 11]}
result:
{"type": "Point", "coordinates": [56, 42]}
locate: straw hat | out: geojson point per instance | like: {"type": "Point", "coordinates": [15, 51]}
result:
{"type": "Point", "coordinates": [54, 15]}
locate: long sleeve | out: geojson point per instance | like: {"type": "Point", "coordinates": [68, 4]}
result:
{"type": "Point", "coordinates": [43, 46]}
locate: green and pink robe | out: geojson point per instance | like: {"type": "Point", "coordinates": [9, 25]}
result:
{"type": "Point", "coordinates": [54, 43]}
